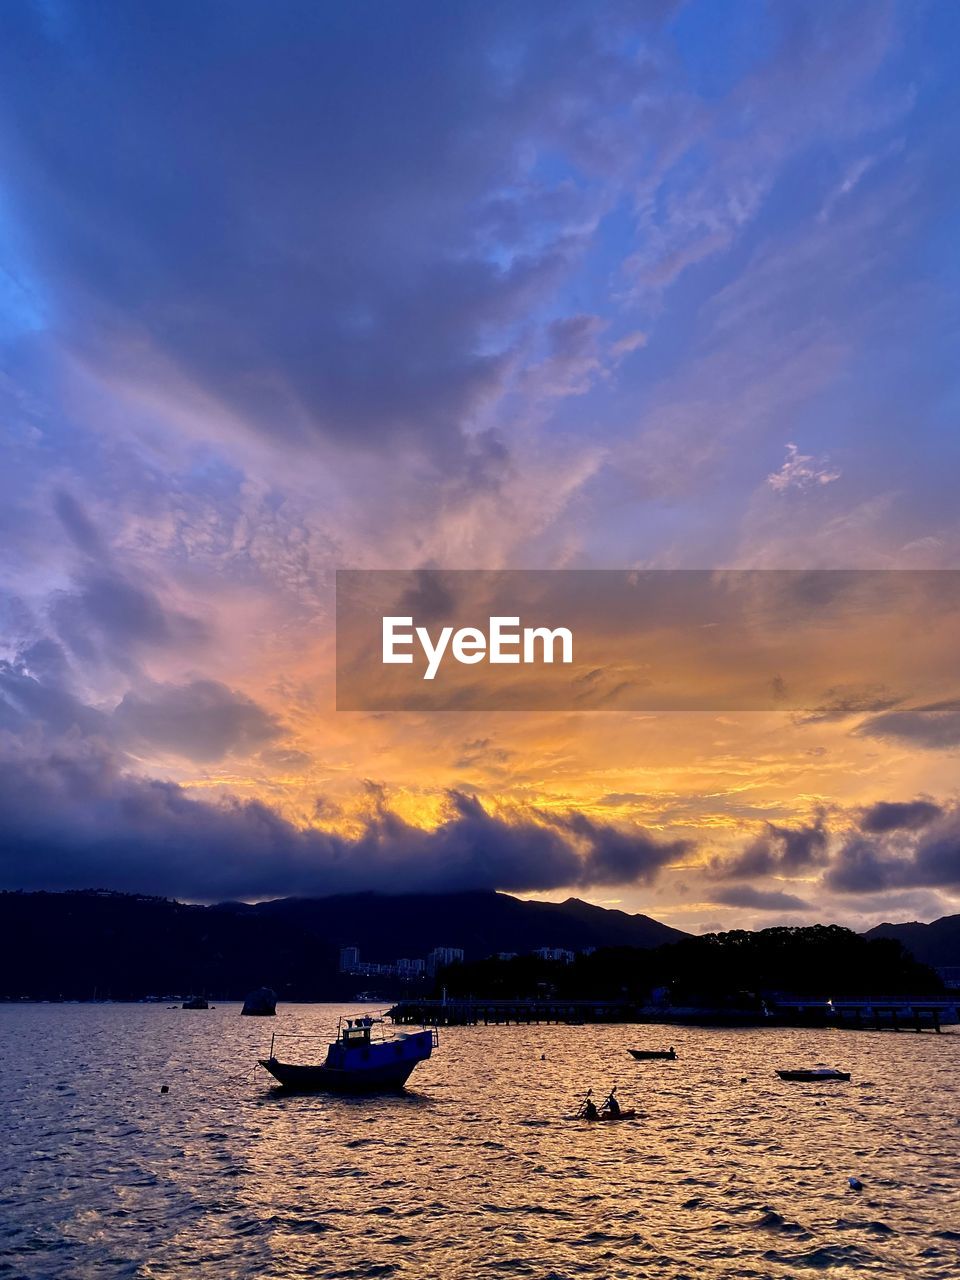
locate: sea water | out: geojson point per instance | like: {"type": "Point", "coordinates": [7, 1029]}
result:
{"type": "Point", "coordinates": [475, 1171]}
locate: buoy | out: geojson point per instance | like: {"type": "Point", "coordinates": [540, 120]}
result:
{"type": "Point", "coordinates": [855, 1184]}
{"type": "Point", "coordinates": [164, 1088]}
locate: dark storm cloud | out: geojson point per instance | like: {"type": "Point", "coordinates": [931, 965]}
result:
{"type": "Point", "coordinates": [884, 847]}
{"type": "Point", "coordinates": [862, 867]}
{"type": "Point", "coordinates": [621, 857]}
{"type": "Point", "coordinates": [935, 725]}
{"type": "Point", "coordinates": [926, 856]}
{"type": "Point", "coordinates": [779, 850]}
{"type": "Point", "coordinates": [759, 899]}
{"type": "Point", "coordinates": [73, 816]}
{"type": "Point", "coordinates": [295, 214]}
{"type": "Point", "coordinates": [889, 815]}
{"type": "Point", "coordinates": [202, 720]}
{"type": "Point", "coordinates": [936, 860]}
{"type": "Point", "coordinates": [73, 819]}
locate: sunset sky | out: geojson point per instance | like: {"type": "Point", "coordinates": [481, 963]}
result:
{"type": "Point", "coordinates": [288, 288]}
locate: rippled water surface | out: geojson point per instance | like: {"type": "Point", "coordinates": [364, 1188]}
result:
{"type": "Point", "coordinates": [474, 1172]}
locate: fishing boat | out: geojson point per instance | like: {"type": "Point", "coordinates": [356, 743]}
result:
{"type": "Point", "coordinates": [652, 1055]}
{"type": "Point", "coordinates": [366, 1057]}
{"type": "Point", "coordinates": [814, 1075]}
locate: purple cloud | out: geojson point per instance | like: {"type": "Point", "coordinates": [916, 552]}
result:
{"type": "Point", "coordinates": [73, 818]}
{"type": "Point", "coordinates": [936, 725]}
{"type": "Point", "coordinates": [201, 719]}
{"type": "Point", "coordinates": [779, 850]}
{"type": "Point", "coordinates": [759, 899]}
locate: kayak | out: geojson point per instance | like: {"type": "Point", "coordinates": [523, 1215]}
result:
{"type": "Point", "coordinates": [814, 1076]}
{"type": "Point", "coordinates": [606, 1118]}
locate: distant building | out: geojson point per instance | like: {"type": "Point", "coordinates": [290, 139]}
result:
{"type": "Point", "coordinates": [555, 953]}
{"type": "Point", "coordinates": [505, 955]}
{"type": "Point", "coordinates": [349, 959]}
{"type": "Point", "coordinates": [410, 968]}
{"type": "Point", "coordinates": [371, 969]}
{"type": "Point", "coordinates": [440, 957]}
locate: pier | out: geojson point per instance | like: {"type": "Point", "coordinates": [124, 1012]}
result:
{"type": "Point", "coordinates": [884, 1014]}
{"type": "Point", "coordinates": [468, 1012]}
{"type": "Point", "coordinates": [879, 1014]}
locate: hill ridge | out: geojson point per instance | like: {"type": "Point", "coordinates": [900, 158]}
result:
{"type": "Point", "coordinates": [131, 945]}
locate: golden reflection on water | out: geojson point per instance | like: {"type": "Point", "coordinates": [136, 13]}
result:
{"type": "Point", "coordinates": [475, 1171]}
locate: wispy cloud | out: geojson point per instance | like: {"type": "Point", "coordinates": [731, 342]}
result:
{"type": "Point", "coordinates": [800, 471]}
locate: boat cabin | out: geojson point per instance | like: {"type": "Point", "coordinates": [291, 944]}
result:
{"type": "Point", "coordinates": [356, 1032]}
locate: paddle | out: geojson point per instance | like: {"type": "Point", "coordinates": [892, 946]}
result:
{"type": "Point", "coordinates": [582, 1109]}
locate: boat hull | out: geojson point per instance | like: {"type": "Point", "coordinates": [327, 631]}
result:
{"type": "Point", "coordinates": [813, 1077]}
{"type": "Point", "coordinates": [652, 1055]}
{"type": "Point", "coordinates": [297, 1078]}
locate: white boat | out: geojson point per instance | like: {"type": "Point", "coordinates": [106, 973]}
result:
{"type": "Point", "coordinates": [814, 1075]}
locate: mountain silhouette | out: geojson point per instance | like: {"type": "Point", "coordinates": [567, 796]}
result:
{"type": "Point", "coordinates": [937, 943]}
{"type": "Point", "coordinates": [96, 943]}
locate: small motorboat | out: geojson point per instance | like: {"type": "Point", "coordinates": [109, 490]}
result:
{"type": "Point", "coordinates": [654, 1055]}
{"type": "Point", "coordinates": [364, 1058]}
{"type": "Point", "coordinates": [195, 1002]}
{"type": "Point", "coordinates": [814, 1075]}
